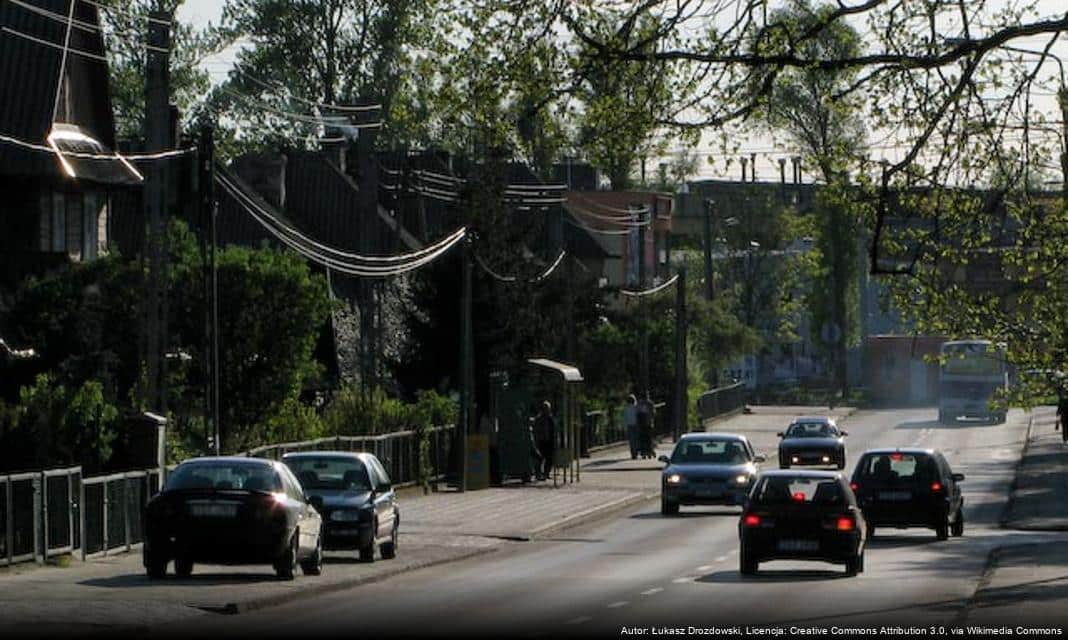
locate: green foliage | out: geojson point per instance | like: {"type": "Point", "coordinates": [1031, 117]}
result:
{"type": "Point", "coordinates": [354, 411]}
{"type": "Point", "coordinates": [292, 422]}
{"type": "Point", "coordinates": [66, 428]}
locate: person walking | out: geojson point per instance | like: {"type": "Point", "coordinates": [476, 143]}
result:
{"type": "Point", "coordinates": [630, 422]}
{"type": "Point", "coordinates": [545, 434]}
{"type": "Point", "coordinates": [645, 427]}
{"type": "Point", "coordinates": [1062, 414]}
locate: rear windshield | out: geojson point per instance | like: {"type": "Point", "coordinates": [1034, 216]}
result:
{"type": "Point", "coordinates": [898, 468]}
{"type": "Point", "coordinates": [224, 475]}
{"type": "Point", "coordinates": [344, 474]}
{"type": "Point", "coordinates": [811, 430]}
{"type": "Point", "coordinates": [797, 490]}
{"type": "Point", "coordinates": [710, 452]}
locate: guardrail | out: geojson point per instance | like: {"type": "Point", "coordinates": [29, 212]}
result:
{"type": "Point", "coordinates": [398, 451]}
{"type": "Point", "coordinates": [721, 401]}
{"type": "Point", "coordinates": [57, 511]}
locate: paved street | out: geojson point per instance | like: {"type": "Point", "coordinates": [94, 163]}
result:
{"type": "Point", "coordinates": [640, 569]}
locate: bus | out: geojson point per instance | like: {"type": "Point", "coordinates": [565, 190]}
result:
{"type": "Point", "coordinates": [971, 374]}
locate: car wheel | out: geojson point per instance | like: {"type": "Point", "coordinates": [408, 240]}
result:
{"type": "Point", "coordinates": [155, 565]}
{"type": "Point", "coordinates": [285, 566]}
{"type": "Point", "coordinates": [367, 554]}
{"type": "Point", "coordinates": [747, 566]}
{"type": "Point", "coordinates": [957, 529]}
{"type": "Point", "coordinates": [313, 566]}
{"type": "Point", "coordinates": [783, 464]}
{"type": "Point", "coordinates": [841, 460]}
{"type": "Point", "coordinates": [183, 567]}
{"type": "Point", "coordinates": [942, 529]}
{"type": "Point", "coordinates": [668, 508]}
{"type": "Point", "coordinates": [389, 549]}
{"type": "Point", "coordinates": [854, 565]}
{"type": "Point", "coordinates": [871, 531]}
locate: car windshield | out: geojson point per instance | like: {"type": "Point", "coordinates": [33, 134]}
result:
{"type": "Point", "coordinates": [224, 475]}
{"type": "Point", "coordinates": [898, 468]}
{"type": "Point", "coordinates": [710, 452]}
{"type": "Point", "coordinates": [797, 490]}
{"type": "Point", "coordinates": [332, 473]}
{"type": "Point", "coordinates": [811, 430]}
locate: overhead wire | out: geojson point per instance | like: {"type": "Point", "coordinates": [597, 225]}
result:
{"type": "Point", "coordinates": [654, 290]}
{"type": "Point", "coordinates": [510, 279]}
{"type": "Point", "coordinates": [298, 117]}
{"type": "Point", "coordinates": [277, 87]}
{"type": "Point", "coordinates": [136, 157]}
{"type": "Point", "coordinates": [88, 27]}
{"type": "Point", "coordinates": [54, 45]}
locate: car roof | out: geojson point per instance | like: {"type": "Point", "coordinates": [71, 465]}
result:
{"type": "Point", "coordinates": [909, 450]}
{"type": "Point", "coordinates": [823, 419]}
{"type": "Point", "coordinates": [791, 473]}
{"type": "Point", "coordinates": [231, 460]}
{"type": "Point", "coordinates": [712, 435]}
{"type": "Point", "coordinates": [358, 455]}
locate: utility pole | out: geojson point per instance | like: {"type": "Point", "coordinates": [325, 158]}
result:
{"type": "Point", "coordinates": [208, 214]}
{"type": "Point", "coordinates": [156, 133]}
{"type": "Point", "coordinates": [681, 381]}
{"type": "Point", "coordinates": [710, 283]}
{"type": "Point", "coordinates": [466, 366]}
{"type": "Point", "coordinates": [641, 302]}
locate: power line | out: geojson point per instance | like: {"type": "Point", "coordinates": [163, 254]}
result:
{"type": "Point", "coordinates": [654, 290]}
{"type": "Point", "coordinates": [134, 157]}
{"type": "Point", "coordinates": [298, 117]}
{"type": "Point", "coordinates": [78, 24]}
{"type": "Point", "coordinates": [126, 12]}
{"type": "Point", "coordinates": [276, 87]}
{"type": "Point", "coordinates": [54, 45]}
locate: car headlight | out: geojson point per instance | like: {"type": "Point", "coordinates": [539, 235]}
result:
{"type": "Point", "coordinates": [346, 515]}
{"type": "Point", "coordinates": [795, 459]}
{"type": "Point", "coordinates": [742, 479]}
{"type": "Point", "coordinates": [674, 479]}
{"type": "Point", "coordinates": [826, 458]}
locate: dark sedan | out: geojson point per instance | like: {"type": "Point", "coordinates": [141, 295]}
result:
{"type": "Point", "coordinates": [909, 488]}
{"type": "Point", "coordinates": [812, 441]}
{"type": "Point", "coordinates": [353, 493]}
{"type": "Point", "coordinates": [802, 515]}
{"type": "Point", "coordinates": [707, 469]}
{"type": "Point", "coordinates": [232, 511]}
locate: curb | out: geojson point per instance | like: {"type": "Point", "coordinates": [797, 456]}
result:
{"type": "Point", "coordinates": [276, 599]}
{"type": "Point", "coordinates": [589, 515]}
{"type": "Point", "coordinates": [1005, 519]}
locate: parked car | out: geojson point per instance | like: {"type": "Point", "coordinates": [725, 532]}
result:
{"type": "Point", "coordinates": [707, 469]}
{"type": "Point", "coordinates": [909, 488]}
{"type": "Point", "coordinates": [802, 515]}
{"type": "Point", "coordinates": [353, 494]}
{"type": "Point", "coordinates": [812, 441]}
{"type": "Point", "coordinates": [232, 510]}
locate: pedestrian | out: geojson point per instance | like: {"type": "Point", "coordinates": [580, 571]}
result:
{"type": "Point", "coordinates": [645, 427]}
{"type": "Point", "coordinates": [630, 422]}
{"type": "Point", "coordinates": [1062, 414]}
{"type": "Point", "coordinates": [545, 434]}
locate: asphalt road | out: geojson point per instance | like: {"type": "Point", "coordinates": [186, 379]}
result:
{"type": "Point", "coordinates": [641, 570]}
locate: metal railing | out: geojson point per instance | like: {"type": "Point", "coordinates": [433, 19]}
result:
{"type": "Point", "coordinates": [721, 401]}
{"type": "Point", "coordinates": [398, 451]}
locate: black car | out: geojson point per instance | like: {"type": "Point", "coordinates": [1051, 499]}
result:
{"type": "Point", "coordinates": [802, 515]}
{"type": "Point", "coordinates": [909, 488]}
{"type": "Point", "coordinates": [812, 441]}
{"type": "Point", "coordinates": [353, 493]}
{"type": "Point", "coordinates": [707, 469]}
{"type": "Point", "coordinates": [232, 510]}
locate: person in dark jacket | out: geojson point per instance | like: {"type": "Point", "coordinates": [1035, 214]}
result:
{"type": "Point", "coordinates": [645, 427]}
{"type": "Point", "coordinates": [545, 435]}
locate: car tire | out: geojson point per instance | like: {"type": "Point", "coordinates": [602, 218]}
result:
{"type": "Point", "coordinates": [870, 532]}
{"type": "Point", "coordinates": [155, 565]}
{"type": "Point", "coordinates": [313, 565]}
{"type": "Point", "coordinates": [957, 528]}
{"type": "Point", "coordinates": [854, 565]}
{"type": "Point", "coordinates": [285, 566]}
{"type": "Point", "coordinates": [183, 567]}
{"type": "Point", "coordinates": [389, 549]}
{"type": "Point", "coordinates": [942, 529]}
{"type": "Point", "coordinates": [747, 566]}
{"type": "Point", "coordinates": [783, 464]}
{"type": "Point", "coordinates": [668, 507]}
{"type": "Point", "coordinates": [367, 554]}
{"type": "Point", "coordinates": [841, 460]}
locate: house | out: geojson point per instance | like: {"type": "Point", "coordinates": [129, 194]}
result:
{"type": "Point", "coordinates": [58, 172]}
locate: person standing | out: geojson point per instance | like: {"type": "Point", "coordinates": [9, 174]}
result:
{"type": "Point", "coordinates": [545, 433]}
{"type": "Point", "coordinates": [630, 422]}
{"type": "Point", "coordinates": [1062, 414]}
{"type": "Point", "coordinates": [645, 427]}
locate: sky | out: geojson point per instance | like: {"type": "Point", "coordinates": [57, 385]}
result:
{"type": "Point", "coordinates": [713, 164]}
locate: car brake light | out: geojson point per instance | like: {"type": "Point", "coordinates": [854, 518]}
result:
{"type": "Point", "coordinates": [799, 497]}
{"type": "Point", "coordinates": [896, 457]}
{"type": "Point", "coordinates": [854, 486]}
{"type": "Point", "coordinates": [752, 520]}
{"type": "Point", "coordinates": [936, 486]}
{"type": "Point", "coordinates": [845, 524]}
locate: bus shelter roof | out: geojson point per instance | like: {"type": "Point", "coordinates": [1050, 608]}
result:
{"type": "Point", "coordinates": [570, 373]}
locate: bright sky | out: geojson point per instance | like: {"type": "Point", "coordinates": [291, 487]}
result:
{"type": "Point", "coordinates": [200, 12]}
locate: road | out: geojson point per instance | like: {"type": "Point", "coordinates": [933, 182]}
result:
{"type": "Point", "coordinates": [639, 569]}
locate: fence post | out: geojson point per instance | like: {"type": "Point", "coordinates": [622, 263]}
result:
{"type": "Point", "coordinates": [126, 510]}
{"type": "Point", "coordinates": [37, 505]}
{"type": "Point", "coordinates": [9, 517]}
{"type": "Point", "coordinates": [81, 515]}
{"type": "Point", "coordinates": [104, 495]}
{"type": "Point", "coordinates": [44, 518]}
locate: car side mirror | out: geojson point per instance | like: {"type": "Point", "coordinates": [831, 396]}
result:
{"type": "Point", "coordinates": [957, 477]}
{"type": "Point", "coordinates": [780, 434]}
{"type": "Point", "coordinates": [315, 501]}
{"type": "Point", "coordinates": [664, 459]}
{"type": "Point", "coordinates": [759, 458]}
{"type": "Point", "coordinates": [845, 433]}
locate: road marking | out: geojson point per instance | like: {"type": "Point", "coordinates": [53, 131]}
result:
{"type": "Point", "coordinates": [684, 580]}
{"type": "Point", "coordinates": [649, 592]}
{"type": "Point", "coordinates": [616, 605]}
{"type": "Point", "coordinates": [579, 620]}
{"type": "Point", "coordinates": [708, 567]}
{"type": "Point", "coordinates": [721, 558]}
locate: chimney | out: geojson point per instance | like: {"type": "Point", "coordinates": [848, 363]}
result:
{"type": "Point", "coordinates": [752, 164]}
{"type": "Point", "coordinates": [744, 162]}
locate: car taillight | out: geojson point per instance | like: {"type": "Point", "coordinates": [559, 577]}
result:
{"type": "Point", "coordinates": [854, 486]}
{"type": "Point", "coordinates": [799, 497]}
{"type": "Point", "coordinates": [751, 520]}
{"type": "Point", "coordinates": [896, 457]}
{"type": "Point", "coordinates": [845, 523]}
{"type": "Point", "coordinates": [936, 486]}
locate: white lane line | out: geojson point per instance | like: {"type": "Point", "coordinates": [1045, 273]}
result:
{"type": "Point", "coordinates": [708, 567]}
{"type": "Point", "coordinates": [616, 605]}
{"type": "Point", "coordinates": [649, 592]}
{"type": "Point", "coordinates": [720, 559]}
{"type": "Point", "coordinates": [684, 580]}
{"type": "Point", "coordinates": [579, 620]}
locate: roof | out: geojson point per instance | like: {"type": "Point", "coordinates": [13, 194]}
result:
{"type": "Point", "coordinates": [823, 419]}
{"type": "Point", "coordinates": [326, 454]}
{"type": "Point", "coordinates": [909, 450]}
{"type": "Point", "coordinates": [231, 460]}
{"type": "Point", "coordinates": [797, 473]}
{"type": "Point", "coordinates": [29, 73]}
{"type": "Point", "coordinates": [569, 372]}
{"type": "Point", "coordinates": [712, 435]}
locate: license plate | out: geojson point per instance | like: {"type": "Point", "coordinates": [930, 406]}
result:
{"type": "Point", "coordinates": [895, 496]}
{"type": "Point", "coordinates": [798, 545]}
{"type": "Point", "coordinates": [213, 510]}
{"type": "Point", "coordinates": [708, 492]}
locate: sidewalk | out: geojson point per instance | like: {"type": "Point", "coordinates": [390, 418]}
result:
{"type": "Point", "coordinates": [1039, 500]}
